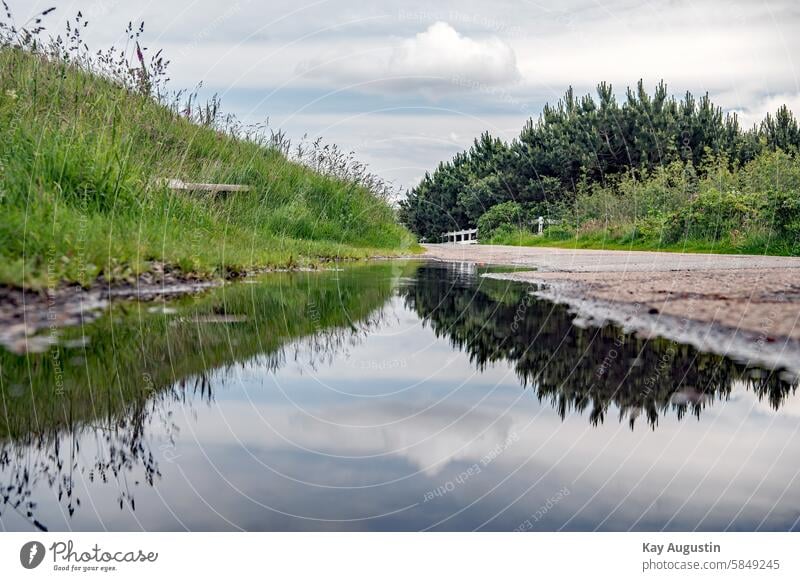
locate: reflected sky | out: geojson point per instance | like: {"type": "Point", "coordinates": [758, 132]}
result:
{"type": "Point", "coordinates": [420, 412]}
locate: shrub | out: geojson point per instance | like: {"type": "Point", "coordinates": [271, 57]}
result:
{"type": "Point", "coordinates": [770, 172]}
{"type": "Point", "coordinates": [632, 197]}
{"type": "Point", "coordinates": [559, 232]}
{"type": "Point", "coordinates": [784, 214]}
{"type": "Point", "coordinates": [712, 215]}
{"type": "Point", "coordinates": [507, 216]}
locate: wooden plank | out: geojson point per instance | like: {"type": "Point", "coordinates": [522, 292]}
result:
{"type": "Point", "coordinates": [174, 184]}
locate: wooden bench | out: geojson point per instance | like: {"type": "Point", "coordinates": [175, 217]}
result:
{"type": "Point", "coordinates": [180, 185]}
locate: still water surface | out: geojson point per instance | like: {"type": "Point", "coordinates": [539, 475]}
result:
{"type": "Point", "coordinates": [397, 396]}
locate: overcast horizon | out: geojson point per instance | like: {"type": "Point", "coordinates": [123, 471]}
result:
{"type": "Point", "coordinates": [406, 86]}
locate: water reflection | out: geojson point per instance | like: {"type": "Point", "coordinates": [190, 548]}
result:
{"type": "Point", "coordinates": [394, 396]}
{"type": "Point", "coordinates": [577, 369]}
{"type": "Point", "coordinates": [141, 359]}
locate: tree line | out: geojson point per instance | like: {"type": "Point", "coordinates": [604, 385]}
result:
{"type": "Point", "coordinates": [586, 141]}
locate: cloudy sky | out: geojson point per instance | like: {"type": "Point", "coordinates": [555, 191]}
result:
{"type": "Point", "coordinates": [406, 84]}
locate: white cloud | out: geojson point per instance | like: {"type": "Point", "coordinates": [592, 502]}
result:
{"type": "Point", "coordinates": [695, 56]}
{"type": "Point", "coordinates": [749, 116]}
{"type": "Point", "coordinates": [442, 51]}
{"type": "Point", "coordinates": [437, 57]}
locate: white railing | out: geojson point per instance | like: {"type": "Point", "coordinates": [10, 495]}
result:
{"type": "Point", "coordinates": [471, 236]}
{"type": "Point", "coordinates": [461, 236]}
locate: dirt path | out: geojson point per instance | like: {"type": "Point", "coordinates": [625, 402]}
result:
{"type": "Point", "coordinates": [563, 260]}
{"type": "Point", "coordinates": [744, 306]}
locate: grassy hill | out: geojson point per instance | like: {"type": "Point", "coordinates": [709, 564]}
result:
{"type": "Point", "coordinates": [81, 163]}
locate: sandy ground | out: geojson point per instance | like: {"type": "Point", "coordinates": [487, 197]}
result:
{"type": "Point", "coordinates": [753, 299]}
{"type": "Point", "coordinates": [562, 260]}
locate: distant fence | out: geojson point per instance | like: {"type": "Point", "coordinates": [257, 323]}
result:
{"type": "Point", "coordinates": [461, 236]}
{"type": "Point", "coordinates": [471, 236]}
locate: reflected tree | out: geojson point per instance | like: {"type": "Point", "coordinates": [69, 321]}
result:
{"type": "Point", "coordinates": [576, 369]}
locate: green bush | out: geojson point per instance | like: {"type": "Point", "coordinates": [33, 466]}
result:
{"type": "Point", "coordinates": [559, 232]}
{"type": "Point", "coordinates": [635, 196]}
{"type": "Point", "coordinates": [505, 217]}
{"type": "Point", "coordinates": [770, 172]}
{"type": "Point", "coordinates": [714, 215]}
{"type": "Point", "coordinates": [647, 229]}
{"type": "Point", "coordinates": [785, 215]}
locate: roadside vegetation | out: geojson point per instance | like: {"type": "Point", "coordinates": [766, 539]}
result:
{"type": "Point", "coordinates": [89, 138]}
{"type": "Point", "coordinates": [754, 209]}
{"type": "Point", "coordinates": [652, 173]}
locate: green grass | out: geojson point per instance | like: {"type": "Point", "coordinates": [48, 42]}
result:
{"type": "Point", "coordinates": [625, 239]}
{"type": "Point", "coordinates": [79, 192]}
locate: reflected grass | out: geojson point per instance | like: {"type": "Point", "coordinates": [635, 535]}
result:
{"type": "Point", "coordinates": [142, 348]}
